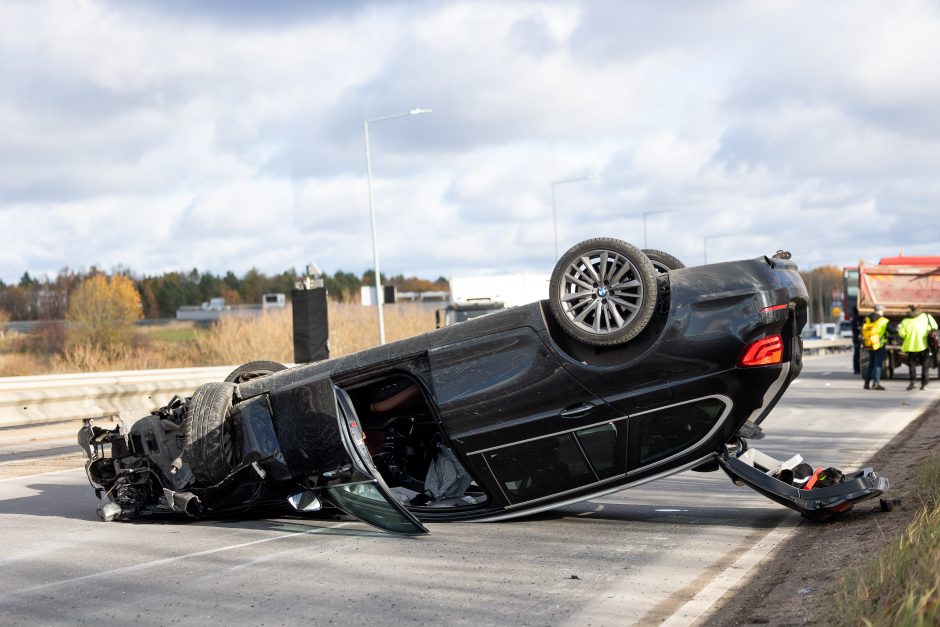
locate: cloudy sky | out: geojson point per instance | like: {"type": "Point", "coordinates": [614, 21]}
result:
{"type": "Point", "coordinates": [224, 135]}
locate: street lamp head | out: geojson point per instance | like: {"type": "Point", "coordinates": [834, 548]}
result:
{"type": "Point", "coordinates": [576, 179]}
{"type": "Point", "coordinates": [419, 111]}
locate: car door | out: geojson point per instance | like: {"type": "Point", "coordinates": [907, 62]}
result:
{"type": "Point", "coordinates": [527, 428]}
{"type": "Point", "coordinates": [322, 444]}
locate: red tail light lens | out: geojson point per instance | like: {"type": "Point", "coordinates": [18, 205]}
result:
{"type": "Point", "coordinates": [762, 352]}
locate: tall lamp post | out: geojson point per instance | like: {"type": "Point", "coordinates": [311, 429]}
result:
{"type": "Point", "coordinates": [708, 237]}
{"type": "Point", "coordinates": [375, 249]}
{"type": "Point", "coordinates": [555, 210]}
{"type": "Point", "coordinates": [649, 213]}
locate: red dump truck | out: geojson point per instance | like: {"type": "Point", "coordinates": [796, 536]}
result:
{"type": "Point", "coordinates": [896, 283]}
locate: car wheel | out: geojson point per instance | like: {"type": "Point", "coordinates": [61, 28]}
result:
{"type": "Point", "coordinates": [603, 291]}
{"type": "Point", "coordinates": [209, 449]}
{"type": "Point", "coordinates": [663, 262]}
{"type": "Point", "coordinates": [253, 370]}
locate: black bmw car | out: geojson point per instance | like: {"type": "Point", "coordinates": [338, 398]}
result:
{"type": "Point", "coordinates": [634, 368]}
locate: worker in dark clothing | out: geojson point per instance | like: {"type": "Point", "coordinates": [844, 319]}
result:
{"type": "Point", "coordinates": [857, 322]}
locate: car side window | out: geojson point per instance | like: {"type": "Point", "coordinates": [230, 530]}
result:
{"type": "Point", "coordinates": [660, 434]}
{"type": "Point", "coordinates": [543, 467]}
{"type": "Point", "coordinates": [606, 447]}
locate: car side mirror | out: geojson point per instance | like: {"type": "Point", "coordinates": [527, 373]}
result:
{"type": "Point", "coordinates": [305, 501]}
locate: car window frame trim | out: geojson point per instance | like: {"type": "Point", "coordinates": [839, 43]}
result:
{"type": "Point", "coordinates": [541, 508]}
{"type": "Point", "coordinates": [723, 398]}
{"type": "Point", "coordinates": [729, 405]}
{"type": "Point", "coordinates": [548, 435]}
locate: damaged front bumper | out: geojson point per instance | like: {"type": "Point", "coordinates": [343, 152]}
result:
{"type": "Point", "coordinates": [122, 481]}
{"type": "Point", "coordinates": [748, 466]}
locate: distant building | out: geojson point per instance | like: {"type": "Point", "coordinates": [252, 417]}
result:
{"type": "Point", "coordinates": [216, 309]}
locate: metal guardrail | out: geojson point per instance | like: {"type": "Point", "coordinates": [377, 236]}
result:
{"type": "Point", "coordinates": [31, 326]}
{"type": "Point", "coordinates": [127, 394]}
{"type": "Point", "coordinates": [24, 326]}
{"type": "Point", "coordinates": [815, 346]}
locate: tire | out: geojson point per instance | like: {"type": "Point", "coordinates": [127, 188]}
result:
{"type": "Point", "coordinates": [663, 262]}
{"type": "Point", "coordinates": [209, 449]}
{"type": "Point", "coordinates": [253, 370]}
{"type": "Point", "coordinates": [588, 307]}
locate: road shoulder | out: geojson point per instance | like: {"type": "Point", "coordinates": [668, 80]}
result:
{"type": "Point", "coordinates": [795, 582]}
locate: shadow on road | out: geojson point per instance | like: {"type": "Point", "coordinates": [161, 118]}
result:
{"type": "Point", "coordinates": [69, 501]}
{"type": "Point", "coordinates": [745, 517]}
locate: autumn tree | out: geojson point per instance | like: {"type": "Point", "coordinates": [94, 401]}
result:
{"type": "Point", "coordinates": [101, 310]}
{"type": "Point", "coordinates": [343, 286]}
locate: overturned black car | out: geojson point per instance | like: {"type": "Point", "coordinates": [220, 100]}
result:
{"type": "Point", "coordinates": [635, 368]}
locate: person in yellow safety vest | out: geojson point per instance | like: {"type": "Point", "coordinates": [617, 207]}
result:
{"type": "Point", "coordinates": [914, 330]}
{"type": "Point", "coordinates": [877, 325]}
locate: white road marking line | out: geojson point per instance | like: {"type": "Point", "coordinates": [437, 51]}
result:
{"type": "Point", "coordinates": [161, 562]}
{"type": "Point", "coordinates": [702, 603]}
{"type": "Point", "coordinates": [730, 577]}
{"type": "Point", "coordinates": [41, 474]}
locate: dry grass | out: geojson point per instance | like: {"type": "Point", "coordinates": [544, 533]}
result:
{"type": "Point", "coordinates": [84, 357]}
{"type": "Point", "coordinates": [15, 359]}
{"type": "Point", "coordinates": [15, 364]}
{"type": "Point", "coordinates": [901, 586]}
{"type": "Point", "coordinates": [354, 327]}
{"type": "Point", "coordinates": [240, 340]}
{"type": "Point", "coordinates": [231, 341]}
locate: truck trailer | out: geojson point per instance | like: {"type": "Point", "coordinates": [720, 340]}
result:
{"type": "Point", "coordinates": [896, 283]}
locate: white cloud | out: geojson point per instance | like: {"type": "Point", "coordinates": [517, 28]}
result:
{"type": "Point", "coordinates": [165, 137]}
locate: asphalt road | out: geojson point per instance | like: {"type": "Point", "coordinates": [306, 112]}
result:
{"type": "Point", "coordinates": [637, 556]}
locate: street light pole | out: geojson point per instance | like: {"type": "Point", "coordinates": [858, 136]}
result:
{"type": "Point", "coordinates": [554, 208]}
{"type": "Point", "coordinates": [649, 213]}
{"type": "Point", "coordinates": [379, 300]}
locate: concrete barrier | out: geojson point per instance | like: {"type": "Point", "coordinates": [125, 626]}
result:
{"type": "Point", "coordinates": [127, 394]}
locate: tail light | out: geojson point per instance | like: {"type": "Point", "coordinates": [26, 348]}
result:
{"type": "Point", "coordinates": [763, 352]}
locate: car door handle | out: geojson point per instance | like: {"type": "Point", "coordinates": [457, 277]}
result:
{"type": "Point", "coordinates": [576, 411]}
